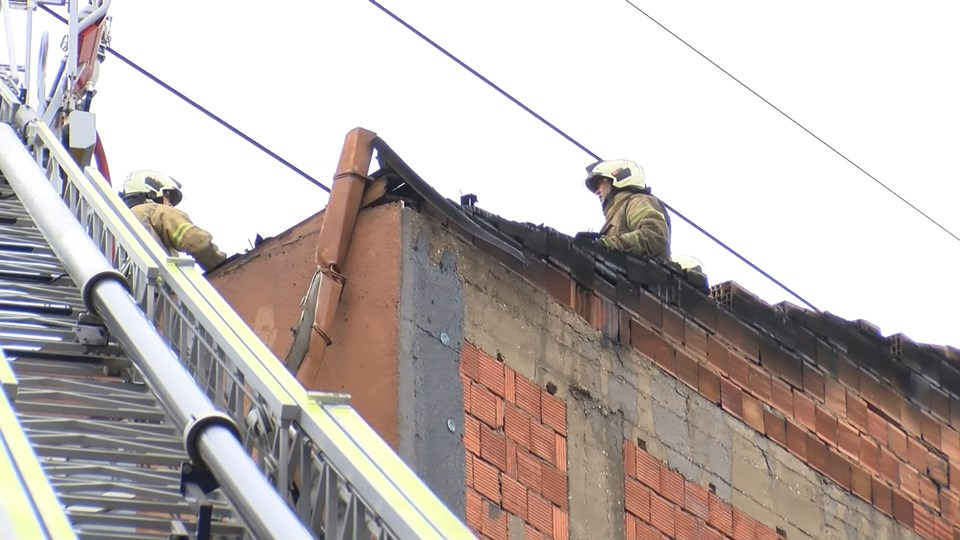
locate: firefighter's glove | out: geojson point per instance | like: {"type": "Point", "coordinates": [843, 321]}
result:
{"type": "Point", "coordinates": [587, 239]}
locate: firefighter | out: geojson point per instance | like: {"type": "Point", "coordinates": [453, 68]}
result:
{"type": "Point", "coordinates": [636, 221]}
{"type": "Point", "coordinates": [152, 196]}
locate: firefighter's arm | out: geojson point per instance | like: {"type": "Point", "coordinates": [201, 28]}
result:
{"type": "Point", "coordinates": [183, 235]}
{"type": "Point", "coordinates": [648, 229]}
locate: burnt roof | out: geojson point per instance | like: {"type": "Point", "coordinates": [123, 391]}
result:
{"type": "Point", "coordinates": [543, 256]}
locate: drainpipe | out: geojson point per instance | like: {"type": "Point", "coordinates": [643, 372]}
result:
{"type": "Point", "coordinates": [339, 218]}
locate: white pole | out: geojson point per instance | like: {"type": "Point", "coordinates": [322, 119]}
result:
{"type": "Point", "coordinates": [11, 54]}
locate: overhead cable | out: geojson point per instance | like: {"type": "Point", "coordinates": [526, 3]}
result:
{"type": "Point", "coordinates": [204, 110]}
{"type": "Point", "coordinates": [801, 126]}
{"type": "Point", "coordinates": [576, 143]}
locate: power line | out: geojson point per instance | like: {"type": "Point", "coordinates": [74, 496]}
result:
{"type": "Point", "coordinates": [205, 111]}
{"type": "Point", "coordinates": [580, 146]}
{"type": "Point", "coordinates": [801, 126]}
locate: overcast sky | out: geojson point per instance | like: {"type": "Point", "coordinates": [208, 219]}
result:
{"type": "Point", "coordinates": [877, 81]}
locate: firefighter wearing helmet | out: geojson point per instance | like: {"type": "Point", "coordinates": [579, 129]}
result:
{"type": "Point", "coordinates": [636, 221]}
{"type": "Point", "coordinates": [152, 196]}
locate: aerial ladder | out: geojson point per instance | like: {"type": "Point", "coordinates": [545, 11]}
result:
{"type": "Point", "coordinates": [135, 402]}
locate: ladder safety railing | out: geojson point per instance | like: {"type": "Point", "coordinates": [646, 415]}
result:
{"type": "Point", "coordinates": [343, 480]}
{"type": "Point", "coordinates": [208, 434]}
{"type": "Point", "coordinates": [28, 506]}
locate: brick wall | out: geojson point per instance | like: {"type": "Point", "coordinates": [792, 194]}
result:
{"type": "Point", "coordinates": [515, 442]}
{"type": "Point", "coordinates": [660, 503]}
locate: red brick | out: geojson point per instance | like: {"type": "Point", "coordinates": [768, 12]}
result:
{"type": "Point", "coordinates": [532, 534]}
{"type": "Point", "coordinates": [709, 533]}
{"type": "Point", "coordinates": [941, 529]}
{"type": "Point", "coordinates": [514, 496]}
{"type": "Point", "coordinates": [836, 397]}
{"type": "Point", "coordinates": [486, 480]}
{"type": "Point", "coordinates": [493, 448]}
{"type": "Point", "coordinates": [509, 385]}
{"type": "Point", "coordinates": [662, 515]}
{"type": "Point", "coordinates": [721, 515]}
{"type": "Point", "coordinates": [685, 525]}
{"type": "Point", "coordinates": [637, 499]}
{"type": "Point", "coordinates": [929, 493]}
{"type": "Point", "coordinates": [528, 471]}
{"type": "Point", "coordinates": [731, 398]}
{"type": "Point", "coordinates": [889, 467]}
{"type": "Point", "coordinates": [882, 496]}
{"type": "Point", "coordinates": [910, 418]}
{"type": "Point", "coordinates": [857, 412]}
{"type": "Point", "coordinates": [671, 485]}
{"type": "Point", "coordinates": [540, 514]}
{"type": "Point", "coordinates": [559, 285]}
{"type": "Point", "coordinates": [653, 346]}
{"type": "Point", "coordinates": [923, 522]}
{"type": "Point", "coordinates": [744, 527]}
{"type": "Point", "coordinates": [528, 396]}
{"type": "Point", "coordinates": [494, 524]}
{"type": "Point", "coordinates": [717, 354]}
{"type": "Point", "coordinates": [950, 442]}
{"type": "Point", "coordinates": [869, 455]}
{"type": "Point", "coordinates": [813, 382]}
{"type": "Point", "coordinates": [897, 440]}
{"type": "Point", "coordinates": [474, 509]}
{"type": "Point", "coordinates": [695, 338]}
{"type": "Point", "coordinates": [916, 454]}
{"type": "Point", "coordinates": [860, 483]}
{"type": "Point", "coordinates": [760, 384]}
{"type": "Point", "coordinates": [629, 527]}
{"type": "Point", "coordinates": [804, 411]}
{"type": "Point", "coordinates": [468, 469]}
{"type": "Point", "coordinates": [816, 453]}
{"type": "Point", "coordinates": [560, 459]}
{"type": "Point", "coordinates": [849, 440]}
{"type": "Point", "coordinates": [696, 500]}
{"type": "Point", "coordinates": [930, 429]}
{"type": "Point", "coordinates": [752, 412]}
{"type": "Point", "coordinates": [487, 407]}
{"type": "Point", "coordinates": [465, 384]}
{"type": "Point", "coordinates": [838, 468]}
{"type": "Point", "coordinates": [827, 426]}
{"type": "Point", "coordinates": [766, 533]}
{"type": "Point", "coordinates": [554, 413]}
{"type": "Point", "coordinates": [950, 506]}
{"type": "Point", "coordinates": [492, 375]}
{"type": "Point", "coordinates": [902, 509]}
{"type": "Point", "coordinates": [709, 384]}
{"type": "Point", "coordinates": [470, 361]}
{"type": "Point", "coordinates": [629, 458]}
{"type": "Point", "coordinates": [554, 486]}
{"type": "Point", "coordinates": [516, 425]}
{"type": "Point", "coordinates": [782, 396]}
{"type": "Point", "coordinates": [687, 369]}
{"type": "Point", "coordinates": [937, 469]}
{"type": "Point", "coordinates": [909, 480]}
{"type": "Point", "coordinates": [876, 426]}
{"type": "Point", "coordinates": [471, 435]}
{"type": "Point", "coordinates": [647, 532]}
{"type": "Point", "coordinates": [796, 440]}
{"type": "Point", "coordinates": [543, 442]}
{"type": "Point", "coordinates": [560, 524]}
{"type": "Point", "coordinates": [648, 470]}
{"type": "Point", "coordinates": [775, 427]}
{"type": "Point", "coordinates": [738, 368]}
{"type": "Point", "coordinates": [511, 469]}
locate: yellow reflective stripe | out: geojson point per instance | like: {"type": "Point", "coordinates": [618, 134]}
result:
{"type": "Point", "coordinates": [30, 485]}
{"type": "Point", "coordinates": [177, 236]}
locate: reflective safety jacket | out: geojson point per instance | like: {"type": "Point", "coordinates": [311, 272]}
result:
{"type": "Point", "coordinates": [636, 223]}
{"type": "Point", "coordinates": [174, 231]}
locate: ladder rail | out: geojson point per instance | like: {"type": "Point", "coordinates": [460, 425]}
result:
{"type": "Point", "coordinates": [28, 506]}
{"type": "Point", "coordinates": [302, 441]}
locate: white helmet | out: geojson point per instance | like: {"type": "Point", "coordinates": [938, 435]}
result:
{"type": "Point", "coordinates": [621, 173]}
{"type": "Point", "coordinates": [153, 185]}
